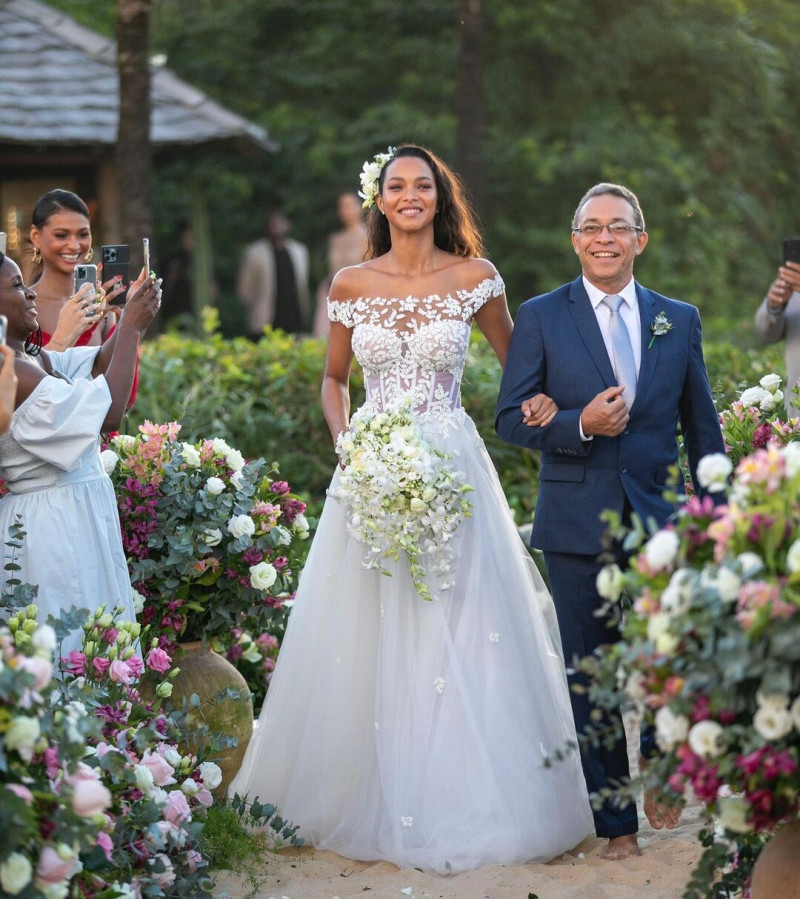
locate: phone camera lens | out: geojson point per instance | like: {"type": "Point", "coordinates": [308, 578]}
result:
{"type": "Point", "coordinates": [112, 255]}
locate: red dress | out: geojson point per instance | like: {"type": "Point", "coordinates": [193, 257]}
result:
{"type": "Point", "coordinates": [84, 339]}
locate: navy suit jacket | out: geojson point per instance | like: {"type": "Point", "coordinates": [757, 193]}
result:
{"type": "Point", "coordinates": [557, 348]}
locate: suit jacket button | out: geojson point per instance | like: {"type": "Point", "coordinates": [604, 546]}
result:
{"type": "Point", "coordinates": [623, 468]}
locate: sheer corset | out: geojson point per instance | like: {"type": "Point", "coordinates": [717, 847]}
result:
{"type": "Point", "coordinates": [414, 347]}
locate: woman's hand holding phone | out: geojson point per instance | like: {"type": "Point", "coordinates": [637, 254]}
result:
{"type": "Point", "coordinates": [144, 300]}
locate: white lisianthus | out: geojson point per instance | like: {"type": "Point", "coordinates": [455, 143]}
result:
{"type": "Point", "coordinates": [753, 396]}
{"type": "Point", "coordinates": [215, 486]}
{"type": "Point", "coordinates": [220, 446]}
{"type": "Point", "coordinates": [241, 526]}
{"type": "Point", "coordinates": [138, 601]}
{"type": "Point", "coordinates": [769, 402]}
{"type": "Point", "coordinates": [661, 550]}
{"type": "Point", "coordinates": [172, 756]}
{"type": "Point", "coordinates": [772, 700]}
{"type": "Point", "coordinates": [671, 729]}
{"type": "Point", "coordinates": [22, 735]}
{"type": "Point", "coordinates": [751, 564]}
{"type": "Point", "coordinates": [791, 458]}
{"type": "Point", "coordinates": [15, 873]}
{"type": "Point", "coordinates": [212, 536]}
{"type": "Point", "coordinates": [44, 639]}
{"type": "Point", "coordinates": [211, 774]}
{"type": "Point", "coordinates": [123, 890]}
{"type": "Point", "coordinates": [707, 739]}
{"type": "Point", "coordinates": [677, 597]}
{"type": "Point", "coordinates": [713, 471]}
{"type": "Point", "coordinates": [728, 584]}
{"type": "Point", "coordinates": [108, 459]}
{"type": "Point", "coordinates": [300, 526]}
{"type": "Point", "coordinates": [262, 576]}
{"type": "Point", "coordinates": [281, 535]}
{"type": "Point", "coordinates": [772, 722]}
{"type": "Point", "coordinates": [733, 814]}
{"type": "Point", "coordinates": [190, 787]}
{"type": "Point", "coordinates": [190, 455]}
{"type": "Point", "coordinates": [658, 632]}
{"type": "Point", "coordinates": [164, 689]}
{"type": "Point", "coordinates": [771, 382]}
{"type": "Point", "coordinates": [795, 713]}
{"type": "Point", "coordinates": [793, 557]}
{"type": "Point", "coordinates": [234, 459]}
{"type": "Point", "coordinates": [237, 480]}
{"type": "Point", "coordinates": [124, 441]}
{"type": "Point", "coordinates": [144, 778]}
{"type": "Point", "coordinates": [609, 582]}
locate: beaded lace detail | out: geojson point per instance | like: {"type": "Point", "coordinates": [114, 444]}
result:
{"type": "Point", "coordinates": [414, 347]}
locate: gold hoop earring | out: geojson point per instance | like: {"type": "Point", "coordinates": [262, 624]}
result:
{"type": "Point", "coordinates": [89, 255]}
{"type": "Point", "coordinates": [36, 258]}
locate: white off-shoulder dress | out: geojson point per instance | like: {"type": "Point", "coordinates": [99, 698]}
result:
{"type": "Point", "coordinates": [50, 459]}
{"type": "Point", "coordinates": [412, 731]}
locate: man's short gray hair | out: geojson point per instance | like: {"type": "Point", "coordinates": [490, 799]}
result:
{"type": "Point", "coordinates": [616, 190]}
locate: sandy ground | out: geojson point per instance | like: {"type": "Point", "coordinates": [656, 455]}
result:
{"type": "Point", "coordinates": [661, 872]}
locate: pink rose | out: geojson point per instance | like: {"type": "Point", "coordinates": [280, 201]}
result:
{"type": "Point", "coordinates": [159, 767]}
{"type": "Point", "coordinates": [176, 808]}
{"type": "Point", "coordinates": [158, 660]}
{"type": "Point", "coordinates": [205, 798]}
{"type": "Point", "coordinates": [52, 868]}
{"type": "Point", "coordinates": [23, 792]}
{"type": "Point", "coordinates": [119, 672]}
{"type": "Point", "coordinates": [100, 666]}
{"type": "Point", "coordinates": [105, 842]}
{"type": "Point", "coordinates": [90, 797]}
{"type": "Point", "coordinates": [52, 763]}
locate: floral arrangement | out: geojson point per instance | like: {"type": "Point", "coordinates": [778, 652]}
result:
{"type": "Point", "coordinates": [710, 655]}
{"type": "Point", "coordinates": [370, 176]}
{"type": "Point", "coordinates": [210, 538]}
{"type": "Point", "coordinates": [756, 418]}
{"type": "Point", "coordinates": [401, 495]}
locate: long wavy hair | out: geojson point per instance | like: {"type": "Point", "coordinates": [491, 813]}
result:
{"type": "Point", "coordinates": [455, 228]}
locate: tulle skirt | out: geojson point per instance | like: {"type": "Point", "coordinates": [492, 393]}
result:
{"type": "Point", "coordinates": [418, 732]}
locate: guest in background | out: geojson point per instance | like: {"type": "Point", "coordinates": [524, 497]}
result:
{"type": "Point", "coordinates": [778, 317]}
{"type": "Point", "coordinates": [345, 247]}
{"type": "Point", "coordinates": [273, 280]}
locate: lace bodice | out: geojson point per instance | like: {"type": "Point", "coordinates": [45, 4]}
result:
{"type": "Point", "coordinates": [414, 347]}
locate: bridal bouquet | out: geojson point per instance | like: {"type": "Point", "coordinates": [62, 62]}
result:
{"type": "Point", "coordinates": [710, 655]}
{"type": "Point", "coordinates": [401, 495]}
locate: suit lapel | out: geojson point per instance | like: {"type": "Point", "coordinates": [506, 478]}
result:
{"type": "Point", "coordinates": [647, 366]}
{"type": "Point", "coordinates": [580, 308]}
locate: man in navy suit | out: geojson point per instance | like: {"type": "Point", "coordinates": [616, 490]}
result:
{"type": "Point", "coordinates": [625, 367]}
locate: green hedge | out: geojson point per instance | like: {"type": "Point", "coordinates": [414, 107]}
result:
{"type": "Point", "coordinates": [264, 399]}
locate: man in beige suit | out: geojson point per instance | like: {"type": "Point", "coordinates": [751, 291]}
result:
{"type": "Point", "coordinates": [778, 317]}
{"type": "Point", "coordinates": [273, 280]}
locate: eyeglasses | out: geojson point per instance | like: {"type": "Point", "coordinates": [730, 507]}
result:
{"type": "Point", "coordinates": [616, 229]}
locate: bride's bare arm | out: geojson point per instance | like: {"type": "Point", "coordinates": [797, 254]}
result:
{"type": "Point", "coordinates": [335, 384]}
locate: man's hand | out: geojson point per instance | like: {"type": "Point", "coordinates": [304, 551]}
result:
{"type": "Point", "coordinates": [783, 286]}
{"type": "Point", "coordinates": [606, 415]}
{"type": "Point", "coordinates": [538, 411]}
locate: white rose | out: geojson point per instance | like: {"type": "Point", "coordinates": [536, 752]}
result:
{"type": "Point", "coordinates": [793, 557]}
{"type": "Point", "coordinates": [235, 459]}
{"type": "Point", "coordinates": [44, 639]}
{"type": "Point", "coordinates": [713, 471]}
{"type": "Point", "coordinates": [190, 455]}
{"type": "Point", "coordinates": [771, 382]}
{"type": "Point", "coordinates": [728, 584]}
{"type": "Point", "coordinates": [144, 778]}
{"type": "Point", "coordinates": [300, 526]}
{"type": "Point", "coordinates": [22, 736]}
{"type": "Point", "coordinates": [671, 729]}
{"type": "Point", "coordinates": [262, 576]}
{"type": "Point", "coordinates": [237, 480]}
{"type": "Point", "coordinates": [172, 756]}
{"type": "Point", "coordinates": [15, 873]}
{"type": "Point", "coordinates": [281, 536]}
{"type": "Point", "coordinates": [138, 601]}
{"type": "Point", "coordinates": [768, 402]}
{"type": "Point", "coordinates": [795, 713]}
{"type": "Point", "coordinates": [241, 526]}
{"type": "Point", "coordinates": [751, 564]}
{"type": "Point", "coordinates": [733, 814]}
{"type": "Point", "coordinates": [661, 549]}
{"type": "Point", "coordinates": [772, 722]}
{"type": "Point", "coordinates": [211, 774]}
{"type": "Point", "coordinates": [215, 486]}
{"type": "Point", "coordinates": [791, 457]}
{"type": "Point", "coordinates": [609, 582]}
{"type": "Point", "coordinates": [707, 739]}
{"type": "Point", "coordinates": [658, 633]}
{"type": "Point", "coordinates": [108, 459]}
{"type": "Point", "coordinates": [123, 890]}
{"type": "Point", "coordinates": [677, 596]}
{"type": "Point", "coordinates": [753, 396]}
{"type": "Point", "coordinates": [220, 447]}
{"type": "Point", "coordinates": [124, 441]}
{"type": "Point", "coordinates": [212, 536]}
{"type": "Point", "coordinates": [190, 787]}
{"type": "Point", "coordinates": [772, 700]}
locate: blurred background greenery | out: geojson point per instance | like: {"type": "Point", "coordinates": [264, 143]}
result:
{"type": "Point", "coordinates": [692, 103]}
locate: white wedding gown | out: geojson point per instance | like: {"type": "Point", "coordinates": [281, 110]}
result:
{"type": "Point", "coordinates": [414, 731]}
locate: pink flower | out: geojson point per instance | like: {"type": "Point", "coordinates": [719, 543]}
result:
{"type": "Point", "coordinates": [194, 860]}
{"type": "Point", "coordinates": [205, 798]}
{"type": "Point", "coordinates": [159, 767]}
{"type": "Point", "coordinates": [119, 672]}
{"type": "Point", "coordinates": [135, 665]}
{"type": "Point", "coordinates": [158, 660]}
{"type": "Point", "coordinates": [105, 842]}
{"type": "Point", "coordinates": [41, 669]}
{"type": "Point", "coordinates": [52, 868]}
{"type": "Point", "coordinates": [22, 792]}
{"type": "Point", "coordinates": [75, 663]}
{"type": "Point", "coordinates": [90, 797]}
{"type": "Point", "coordinates": [100, 665]}
{"type": "Point", "coordinates": [52, 763]}
{"type": "Point", "coordinates": [176, 808]}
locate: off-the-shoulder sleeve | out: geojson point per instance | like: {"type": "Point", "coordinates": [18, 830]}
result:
{"type": "Point", "coordinates": [341, 311]}
{"type": "Point", "coordinates": [75, 362]}
{"type": "Point", "coordinates": [59, 420]}
{"type": "Point", "coordinates": [481, 294]}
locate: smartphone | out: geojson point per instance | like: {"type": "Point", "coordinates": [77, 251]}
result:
{"type": "Point", "coordinates": [3, 329]}
{"type": "Point", "coordinates": [3, 241]}
{"type": "Point", "coordinates": [146, 254]}
{"type": "Point", "coordinates": [85, 274]}
{"type": "Point", "coordinates": [791, 250]}
{"type": "Point", "coordinates": [116, 261]}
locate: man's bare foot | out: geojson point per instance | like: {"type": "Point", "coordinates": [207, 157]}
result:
{"type": "Point", "coordinates": [659, 814]}
{"type": "Point", "coordinates": [621, 847]}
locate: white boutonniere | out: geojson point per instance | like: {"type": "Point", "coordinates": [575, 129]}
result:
{"type": "Point", "coordinates": [661, 324]}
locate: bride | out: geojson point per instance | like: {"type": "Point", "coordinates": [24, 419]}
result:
{"type": "Point", "coordinates": [397, 728]}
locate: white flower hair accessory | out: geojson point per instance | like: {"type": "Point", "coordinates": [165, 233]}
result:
{"type": "Point", "coordinates": [370, 176]}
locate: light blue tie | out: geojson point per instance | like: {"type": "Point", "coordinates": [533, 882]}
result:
{"type": "Point", "coordinates": [624, 362]}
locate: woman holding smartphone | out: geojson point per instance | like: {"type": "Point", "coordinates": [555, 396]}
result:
{"type": "Point", "coordinates": [50, 454]}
